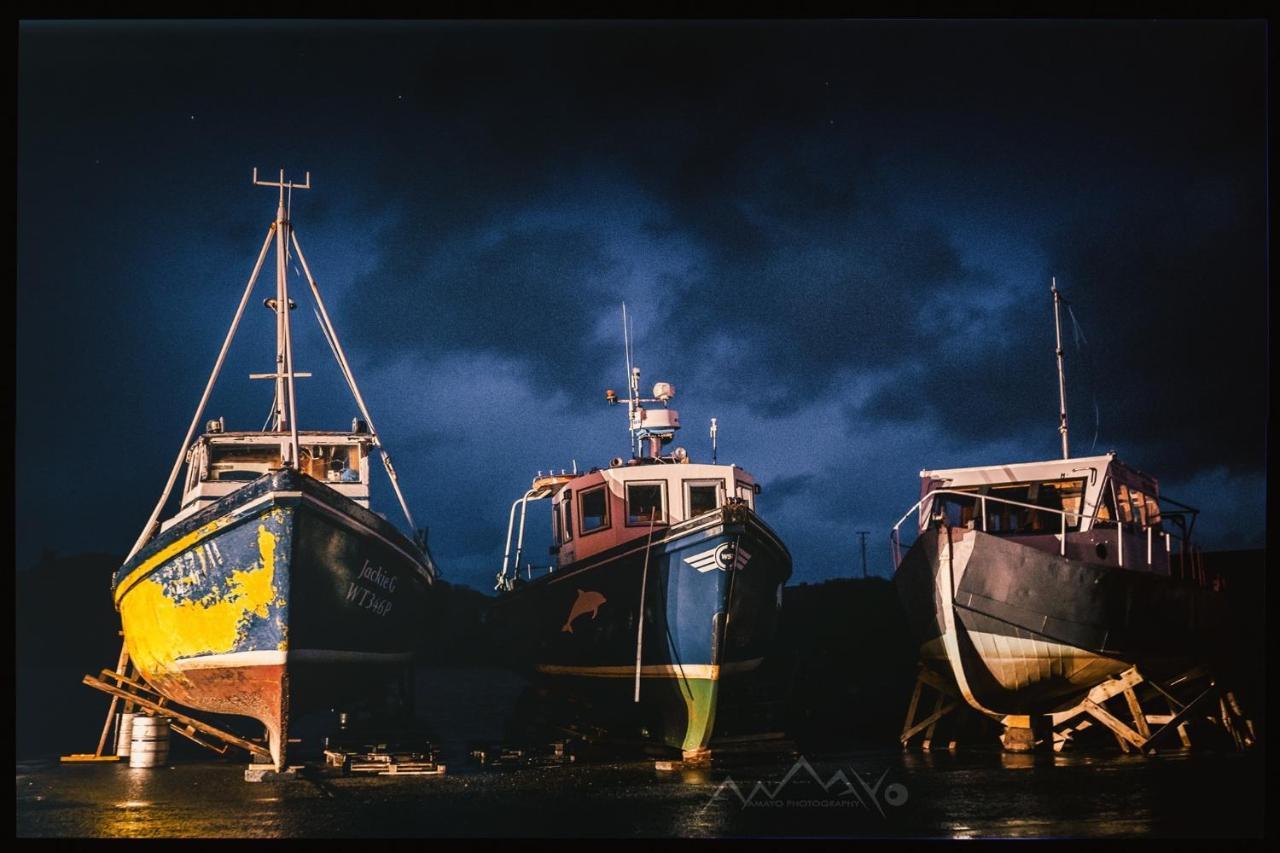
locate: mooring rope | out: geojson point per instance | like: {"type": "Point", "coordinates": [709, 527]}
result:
{"type": "Point", "coordinates": [644, 580]}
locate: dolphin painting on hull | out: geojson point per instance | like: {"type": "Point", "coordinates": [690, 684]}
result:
{"type": "Point", "coordinates": [586, 602]}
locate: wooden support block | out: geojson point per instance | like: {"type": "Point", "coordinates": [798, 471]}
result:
{"type": "Point", "coordinates": [1135, 708]}
{"type": "Point", "coordinates": [911, 711]}
{"type": "Point", "coordinates": [928, 735]}
{"type": "Point", "coordinates": [1247, 734]}
{"type": "Point", "coordinates": [1115, 686]}
{"type": "Point", "coordinates": [931, 721]}
{"type": "Point", "coordinates": [1123, 733]}
{"type": "Point", "coordinates": [1179, 721]}
{"type": "Point", "coordinates": [86, 758]}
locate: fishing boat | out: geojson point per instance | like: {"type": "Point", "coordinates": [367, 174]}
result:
{"type": "Point", "coordinates": [1029, 584]}
{"type": "Point", "coordinates": [665, 583]}
{"type": "Point", "coordinates": [274, 590]}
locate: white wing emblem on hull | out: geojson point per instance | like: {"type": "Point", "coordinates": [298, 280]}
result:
{"type": "Point", "coordinates": [719, 557]}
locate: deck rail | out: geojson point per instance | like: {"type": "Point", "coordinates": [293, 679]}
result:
{"type": "Point", "coordinates": [1190, 561]}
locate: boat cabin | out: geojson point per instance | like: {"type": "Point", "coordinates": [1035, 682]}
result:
{"type": "Point", "coordinates": [606, 507]}
{"type": "Point", "coordinates": [1092, 508]}
{"type": "Point", "coordinates": [219, 463]}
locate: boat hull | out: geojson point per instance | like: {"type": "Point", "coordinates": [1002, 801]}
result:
{"type": "Point", "coordinates": [281, 599]}
{"type": "Point", "coordinates": [1023, 631]}
{"type": "Point", "coordinates": [711, 603]}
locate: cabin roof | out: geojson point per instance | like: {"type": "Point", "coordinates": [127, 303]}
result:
{"type": "Point", "coordinates": [1020, 471]}
{"type": "Point", "coordinates": [268, 437]}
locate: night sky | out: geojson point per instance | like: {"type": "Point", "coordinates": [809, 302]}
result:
{"type": "Point", "coordinates": [835, 238]}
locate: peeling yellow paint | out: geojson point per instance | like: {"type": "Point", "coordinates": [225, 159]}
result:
{"type": "Point", "coordinates": [159, 630]}
{"type": "Point", "coordinates": [170, 551]}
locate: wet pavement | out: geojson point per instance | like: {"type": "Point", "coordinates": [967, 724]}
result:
{"type": "Point", "coordinates": [870, 793]}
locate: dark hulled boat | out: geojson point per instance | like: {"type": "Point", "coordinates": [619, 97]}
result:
{"type": "Point", "coordinates": [665, 584]}
{"type": "Point", "coordinates": [274, 590]}
{"type": "Point", "coordinates": [1029, 584]}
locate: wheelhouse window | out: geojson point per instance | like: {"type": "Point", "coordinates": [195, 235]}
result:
{"type": "Point", "coordinates": [594, 509]}
{"type": "Point", "coordinates": [645, 504]}
{"type": "Point", "coordinates": [1106, 513]}
{"type": "Point", "coordinates": [1036, 507]}
{"type": "Point", "coordinates": [195, 467]}
{"type": "Point", "coordinates": [338, 463]}
{"type": "Point", "coordinates": [955, 510]}
{"type": "Point", "coordinates": [701, 497]}
{"type": "Point", "coordinates": [746, 493]}
{"type": "Point", "coordinates": [566, 504]}
{"type": "Point", "coordinates": [1007, 517]}
{"type": "Point", "coordinates": [1153, 511]}
{"type": "Point", "coordinates": [230, 462]}
{"type": "Point", "coordinates": [1060, 496]}
{"type": "Point", "coordinates": [1136, 507]}
{"type": "Point", "coordinates": [1123, 509]}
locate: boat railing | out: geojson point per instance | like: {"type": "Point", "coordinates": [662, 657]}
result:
{"type": "Point", "coordinates": [1152, 536]}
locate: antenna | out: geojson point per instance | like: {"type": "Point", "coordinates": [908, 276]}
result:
{"type": "Point", "coordinates": [633, 381]}
{"type": "Point", "coordinates": [1062, 375]}
{"type": "Point", "coordinates": [714, 430]}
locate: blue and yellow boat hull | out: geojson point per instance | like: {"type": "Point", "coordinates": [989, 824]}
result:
{"type": "Point", "coordinates": [281, 598]}
{"type": "Point", "coordinates": [711, 604]}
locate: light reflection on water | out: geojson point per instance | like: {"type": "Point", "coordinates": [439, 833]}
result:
{"type": "Point", "coordinates": [956, 795]}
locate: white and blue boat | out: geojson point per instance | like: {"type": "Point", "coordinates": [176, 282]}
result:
{"type": "Point", "coordinates": [665, 582]}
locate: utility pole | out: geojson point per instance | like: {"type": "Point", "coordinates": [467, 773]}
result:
{"type": "Point", "coordinates": [862, 534]}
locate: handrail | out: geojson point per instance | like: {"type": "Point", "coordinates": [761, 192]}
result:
{"type": "Point", "coordinates": [521, 502]}
{"type": "Point", "coordinates": [984, 499]}
{"type": "Point", "coordinates": [895, 539]}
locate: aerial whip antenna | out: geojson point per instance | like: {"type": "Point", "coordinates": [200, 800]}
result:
{"type": "Point", "coordinates": [1062, 375]}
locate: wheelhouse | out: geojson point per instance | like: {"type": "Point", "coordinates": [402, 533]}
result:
{"type": "Point", "coordinates": [1092, 508]}
{"type": "Point", "coordinates": [607, 507]}
{"type": "Point", "coordinates": [219, 463]}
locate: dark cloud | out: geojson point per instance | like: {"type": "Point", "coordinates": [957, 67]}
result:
{"type": "Point", "coordinates": [837, 235]}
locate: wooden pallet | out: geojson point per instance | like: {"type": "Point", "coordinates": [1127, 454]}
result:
{"type": "Point", "coordinates": [384, 762]}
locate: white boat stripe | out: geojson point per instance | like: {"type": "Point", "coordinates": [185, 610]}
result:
{"type": "Point", "coordinates": [275, 658]}
{"type": "Point", "coordinates": [700, 670]}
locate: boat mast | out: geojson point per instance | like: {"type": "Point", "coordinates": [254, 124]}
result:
{"type": "Point", "coordinates": [286, 414]}
{"type": "Point", "coordinates": [1062, 375]}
